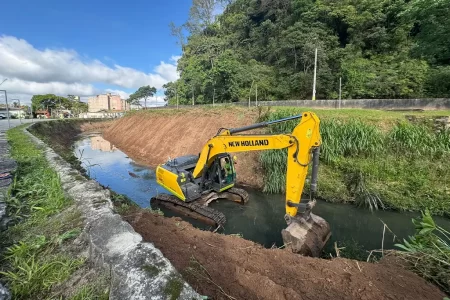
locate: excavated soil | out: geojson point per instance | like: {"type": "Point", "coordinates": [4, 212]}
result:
{"type": "Point", "coordinates": [229, 267]}
{"type": "Point", "coordinates": [152, 138]}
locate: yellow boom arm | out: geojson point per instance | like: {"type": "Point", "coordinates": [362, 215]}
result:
{"type": "Point", "coordinates": [300, 144]}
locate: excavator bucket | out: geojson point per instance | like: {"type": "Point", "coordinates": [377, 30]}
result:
{"type": "Point", "coordinates": [306, 235]}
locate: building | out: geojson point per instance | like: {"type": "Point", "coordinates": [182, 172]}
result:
{"type": "Point", "coordinates": [14, 112]}
{"type": "Point", "coordinates": [106, 102]}
{"type": "Point", "coordinates": [99, 143]}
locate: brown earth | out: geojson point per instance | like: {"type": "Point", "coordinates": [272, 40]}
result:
{"type": "Point", "coordinates": [229, 267]}
{"type": "Point", "coordinates": [95, 126]}
{"type": "Point", "coordinates": [152, 138]}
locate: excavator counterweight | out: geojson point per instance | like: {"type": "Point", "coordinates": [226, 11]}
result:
{"type": "Point", "coordinates": [195, 181]}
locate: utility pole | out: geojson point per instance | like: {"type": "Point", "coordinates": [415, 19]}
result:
{"type": "Point", "coordinates": [176, 91]}
{"type": "Point", "coordinates": [340, 91]}
{"type": "Point", "coordinates": [7, 108]}
{"type": "Point", "coordinates": [250, 94]}
{"type": "Point", "coordinates": [256, 94]}
{"type": "Point", "coordinates": [315, 75]}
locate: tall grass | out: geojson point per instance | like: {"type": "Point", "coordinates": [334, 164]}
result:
{"type": "Point", "coordinates": [418, 140]}
{"type": "Point", "coordinates": [274, 164]}
{"type": "Point", "coordinates": [34, 262]}
{"type": "Point", "coordinates": [350, 138]}
{"type": "Point", "coordinates": [428, 252]}
{"type": "Point", "coordinates": [387, 160]}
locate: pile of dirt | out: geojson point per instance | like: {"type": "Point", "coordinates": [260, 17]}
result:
{"type": "Point", "coordinates": [229, 267]}
{"type": "Point", "coordinates": [153, 138]}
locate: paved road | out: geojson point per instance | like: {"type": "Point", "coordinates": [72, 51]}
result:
{"type": "Point", "coordinates": [15, 122]}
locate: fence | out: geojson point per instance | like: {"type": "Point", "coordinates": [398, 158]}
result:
{"type": "Point", "coordinates": [396, 104]}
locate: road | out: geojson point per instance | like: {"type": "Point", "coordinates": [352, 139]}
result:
{"type": "Point", "coordinates": [15, 122]}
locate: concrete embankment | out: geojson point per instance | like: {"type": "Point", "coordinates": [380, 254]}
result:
{"type": "Point", "coordinates": [138, 269]}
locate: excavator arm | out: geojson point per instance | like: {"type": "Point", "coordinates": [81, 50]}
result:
{"type": "Point", "coordinates": [302, 146]}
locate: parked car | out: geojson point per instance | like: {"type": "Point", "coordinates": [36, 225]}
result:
{"type": "Point", "coordinates": [2, 116]}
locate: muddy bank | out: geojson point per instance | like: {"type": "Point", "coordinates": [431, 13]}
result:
{"type": "Point", "coordinates": [152, 138]}
{"type": "Point", "coordinates": [223, 267]}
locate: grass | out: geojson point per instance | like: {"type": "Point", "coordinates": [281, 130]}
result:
{"type": "Point", "coordinates": [38, 255]}
{"type": "Point", "coordinates": [173, 287]}
{"type": "Point", "coordinates": [427, 253]}
{"type": "Point", "coordinates": [97, 290]}
{"type": "Point", "coordinates": [382, 164]}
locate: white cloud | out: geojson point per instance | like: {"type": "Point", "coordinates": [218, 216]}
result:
{"type": "Point", "coordinates": [34, 71]}
{"type": "Point", "coordinates": [15, 86]}
{"type": "Point", "coordinates": [122, 94]}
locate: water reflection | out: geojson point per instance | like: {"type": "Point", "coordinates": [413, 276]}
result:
{"type": "Point", "coordinates": [114, 169]}
{"type": "Point", "coordinates": [99, 143]}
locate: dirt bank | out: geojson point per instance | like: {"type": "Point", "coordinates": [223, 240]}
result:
{"type": "Point", "coordinates": [151, 138]}
{"type": "Point", "coordinates": [228, 267]}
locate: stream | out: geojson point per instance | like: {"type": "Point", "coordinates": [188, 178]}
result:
{"type": "Point", "coordinates": [261, 220]}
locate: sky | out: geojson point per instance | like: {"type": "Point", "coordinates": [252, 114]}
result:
{"type": "Point", "coordinates": [86, 47]}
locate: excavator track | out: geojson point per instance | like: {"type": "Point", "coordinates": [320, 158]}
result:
{"type": "Point", "coordinates": [200, 211]}
{"type": "Point", "coordinates": [240, 192]}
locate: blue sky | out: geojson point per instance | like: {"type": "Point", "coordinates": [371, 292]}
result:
{"type": "Point", "coordinates": [87, 47]}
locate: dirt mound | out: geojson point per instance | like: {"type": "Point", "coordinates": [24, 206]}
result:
{"type": "Point", "coordinates": [151, 138]}
{"type": "Point", "coordinates": [228, 267]}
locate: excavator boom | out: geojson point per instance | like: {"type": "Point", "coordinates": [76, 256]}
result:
{"type": "Point", "coordinates": [301, 144]}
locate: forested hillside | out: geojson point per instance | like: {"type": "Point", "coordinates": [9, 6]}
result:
{"type": "Point", "coordinates": [380, 48]}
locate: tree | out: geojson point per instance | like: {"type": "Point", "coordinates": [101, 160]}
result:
{"type": "Point", "coordinates": [177, 32]}
{"type": "Point", "coordinates": [49, 101]}
{"type": "Point", "coordinates": [201, 15]}
{"type": "Point", "coordinates": [431, 29]}
{"type": "Point", "coordinates": [170, 91]}
{"type": "Point", "coordinates": [144, 92]}
{"type": "Point", "coordinates": [385, 48]}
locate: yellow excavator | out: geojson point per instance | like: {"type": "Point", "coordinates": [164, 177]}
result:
{"type": "Point", "coordinates": [195, 180]}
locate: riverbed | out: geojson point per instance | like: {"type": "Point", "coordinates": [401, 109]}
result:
{"type": "Point", "coordinates": [261, 220]}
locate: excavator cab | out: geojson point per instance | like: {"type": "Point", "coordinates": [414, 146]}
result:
{"type": "Point", "coordinates": [221, 175]}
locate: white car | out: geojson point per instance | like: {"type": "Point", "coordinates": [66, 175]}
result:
{"type": "Point", "coordinates": [2, 116]}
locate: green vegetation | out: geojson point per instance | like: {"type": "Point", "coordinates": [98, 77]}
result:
{"type": "Point", "coordinates": [39, 256]}
{"type": "Point", "coordinates": [93, 291]}
{"type": "Point", "coordinates": [380, 49]}
{"type": "Point", "coordinates": [144, 92]}
{"type": "Point", "coordinates": [428, 251]}
{"type": "Point", "coordinates": [151, 270]}
{"type": "Point", "coordinates": [173, 287]}
{"type": "Point", "coordinates": [50, 101]}
{"type": "Point", "coordinates": [375, 164]}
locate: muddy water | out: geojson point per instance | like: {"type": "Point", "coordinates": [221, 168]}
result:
{"type": "Point", "coordinates": [261, 220]}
